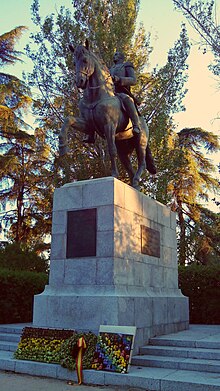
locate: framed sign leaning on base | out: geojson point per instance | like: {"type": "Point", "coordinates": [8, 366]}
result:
{"type": "Point", "coordinates": [114, 348]}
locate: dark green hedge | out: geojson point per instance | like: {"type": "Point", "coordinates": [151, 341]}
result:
{"type": "Point", "coordinates": [202, 285]}
{"type": "Point", "coordinates": [17, 290]}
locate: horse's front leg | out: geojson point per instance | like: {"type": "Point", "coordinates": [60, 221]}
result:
{"type": "Point", "coordinates": [110, 137]}
{"type": "Point", "coordinates": [63, 148]}
{"type": "Point", "coordinates": [78, 124]}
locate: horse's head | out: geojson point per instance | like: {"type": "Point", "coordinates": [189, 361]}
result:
{"type": "Point", "coordinates": [84, 64]}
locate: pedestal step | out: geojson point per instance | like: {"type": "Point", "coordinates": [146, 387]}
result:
{"type": "Point", "coordinates": [169, 372]}
{"type": "Point", "coordinates": [10, 336]}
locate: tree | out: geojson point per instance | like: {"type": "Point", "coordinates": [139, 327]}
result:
{"type": "Point", "coordinates": [190, 184]}
{"type": "Point", "coordinates": [164, 98]}
{"type": "Point", "coordinates": [205, 237]}
{"type": "Point", "coordinates": [15, 256]}
{"type": "Point", "coordinates": [8, 54]}
{"type": "Point", "coordinates": [202, 16]}
{"type": "Point", "coordinates": [14, 94]}
{"type": "Point", "coordinates": [23, 172]}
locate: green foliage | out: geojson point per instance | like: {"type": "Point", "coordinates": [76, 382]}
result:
{"type": "Point", "coordinates": [8, 55]}
{"type": "Point", "coordinates": [25, 193]}
{"type": "Point", "coordinates": [202, 285]}
{"type": "Point", "coordinates": [202, 15]}
{"type": "Point", "coordinates": [15, 257]}
{"type": "Point", "coordinates": [16, 295]}
{"type": "Point", "coordinates": [55, 346]}
{"type": "Point", "coordinates": [191, 182]}
{"type": "Point", "coordinates": [206, 237]}
{"type": "Point", "coordinates": [26, 188]}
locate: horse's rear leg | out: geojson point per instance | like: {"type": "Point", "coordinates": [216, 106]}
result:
{"type": "Point", "coordinates": [126, 162]}
{"type": "Point", "coordinates": [141, 156]}
{"type": "Point", "coordinates": [110, 136]}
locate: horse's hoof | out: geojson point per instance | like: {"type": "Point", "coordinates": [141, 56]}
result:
{"type": "Point", "coordinates": [63, 150]}
{"type": "Point", "coordinates": [115, 173]}
{"type": "Point", "coordinates": [136, 185]}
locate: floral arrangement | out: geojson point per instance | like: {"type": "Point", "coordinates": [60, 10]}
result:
{"type": "Point", "coordinates": [69, 351]}
{"type": "Point", "coordinates": [55, 346]}
{"type": "Point", "coordinates": [113, 352]}
{"type": "Point", "coordinates": [40, 344]}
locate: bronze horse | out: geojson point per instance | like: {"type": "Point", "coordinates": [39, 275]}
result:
{"type": "Point", "coordinates": [101, 110]}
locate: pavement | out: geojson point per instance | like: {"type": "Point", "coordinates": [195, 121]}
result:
{"type": "Point", "coordinates": [17, 382]}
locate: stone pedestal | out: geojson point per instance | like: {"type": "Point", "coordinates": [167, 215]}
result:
{"type": "Point", "coordinates": [121, 269]}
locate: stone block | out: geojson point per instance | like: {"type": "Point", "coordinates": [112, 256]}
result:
{"type": "Point", "coordinates": [124, 272]}
{"type": "Point", "coordinates": [173, 220]}
{"type": "Point", "coordinates": [126, 311]}
{"type": "Point", "coordinates": [136, 226]}
{"type": "Point", "coordinates": [35, 368]}
{"type": "Point", "coordinates": [143, 312]}
{"type": "Point", "coordinates": [58, 246]}
{"type": "Point", "coordinates": [168, 238]}
{"type": "Point", "coordinates": [150, 209]}
{"type": "Point", "coordinates": [59, 222]}
{"type": "Point", "coordinates": [157, 276]}
{"type": "Point", "coordinates": [80, 271]}
{"type": "Point", "coordinates": [170, 278]}
{"type": "Point", "coordinates": [40, 310]}
{"type": "Point", "coordinates": [68, 197]}
{"type": "Point", "coordinates": [133, 200]}
{"type": "Point", "coordinates": [119, 192]}
{"type": "Point", "coordinates": [7, 365]}
{"type": "Point", "coordinates": [137, 381]}
{"type": "Point", "coordinates": [125, 245]}
{"type": "Point", "coordinates": [177, 310]}
{"type": "Point", "coordinates": [105, 218]}
{"type": "Point", "coordinates": [94, 377]}
{"type": "Point", "coordinates": [164, 215]}
{"type": "Point", "coordinates": [123, 220]}
{"type": "Point", "coordinates": [66, 374]}
{"type": "Point", "coordinates": [139, 274]}
{"type": "Point", "coordinates": [97, 193]}
{"type": "Point", "coordinates": [105, 271]}
{"type": "Point", "coordinates": [159, 310]}
{"type": "Point", "coordinates": [167, 256]}
{"type": "Point", "coordinates": [105, 244]}
{"type": "Point", "coordinates": [57, 272]}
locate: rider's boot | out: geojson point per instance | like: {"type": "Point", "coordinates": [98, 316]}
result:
{"type": "Point", "coordinates": [89, 139]}
{"type": "Point", "coordinates": [150, 161]}
{"type": "Point", "coordinates": [133, 114]}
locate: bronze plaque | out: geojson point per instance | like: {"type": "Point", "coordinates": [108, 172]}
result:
{"type": "Point", "coordinates": [81, 233]}
{"type": "Point", "coordinates": [150, 241]}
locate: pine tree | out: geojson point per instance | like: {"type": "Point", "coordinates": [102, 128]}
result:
{"type": "Point", "coordinates": [23, 158]}
{"type": "Point", "coordinates": [192, 180]}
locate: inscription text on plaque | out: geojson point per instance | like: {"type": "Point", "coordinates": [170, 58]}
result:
{"type": "Point", "coordinates": [150, 241]}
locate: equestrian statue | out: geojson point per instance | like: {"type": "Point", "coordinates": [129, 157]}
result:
{"type": "Point", "coordinates": [109, 109]}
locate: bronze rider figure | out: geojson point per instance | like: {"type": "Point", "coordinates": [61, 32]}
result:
{"type": "Point", "coordinates": [123, 76]}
